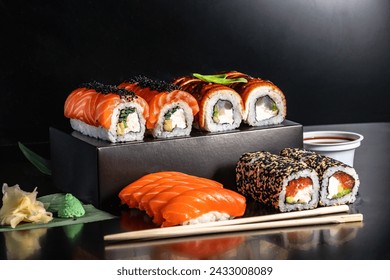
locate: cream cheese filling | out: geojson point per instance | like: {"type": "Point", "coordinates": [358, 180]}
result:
{"type": "Point", "coordinates": [223, 112]}
{"type": "Point", "coordinates": [176, 120]}
{"type": "Point", "coordinates": [265, 108]}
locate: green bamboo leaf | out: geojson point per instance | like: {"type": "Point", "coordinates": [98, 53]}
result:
{"type": "Point", "coordinates": [39, 162]}
{"type": "Point", "coordinates": [219, 79]}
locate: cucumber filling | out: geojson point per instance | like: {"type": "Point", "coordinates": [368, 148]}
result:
{"type": "Point", "coordinates": [128, 121]}
{"type": "Point", "coordinates": [265, 108]}
{"type": "Point", "coordinates": [174, 118]}
{"type": "Point", "coordinates": [223, 112]}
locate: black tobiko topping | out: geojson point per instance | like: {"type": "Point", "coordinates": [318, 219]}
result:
{"type": "Point", "coordinates": [157, 85]}
{"type": "Point", "coordinates": [106, 89]}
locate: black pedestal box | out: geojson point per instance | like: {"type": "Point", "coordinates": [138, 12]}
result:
{"type": "Point", "coordinates": [95, 170]}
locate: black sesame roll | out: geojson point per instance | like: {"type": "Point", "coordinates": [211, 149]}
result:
{"type": "Point", "coordinates": [154, 85]}
{"type": "Point", "coordinates": [316, 161]}
{"type": "Point", "coordinates": [106, 89]}
{"type": "Point", "coordinates": [326, 167]}
{"type": "Point", "coordinates": [262, 175]}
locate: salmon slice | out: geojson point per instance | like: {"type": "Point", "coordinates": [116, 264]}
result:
{"type": "Point", "coordinates": [104, 108]}
{"type": "Point", "coordinates": [135, 197]}
{"type": "Point", "coordinates": [158, 99]}
{"type": "Point", "coordinates": [146, 179]}
{"type": "Point", "coordinates": [157, 202]}
{"type": "Point", "coordinates": [126, 193]}
{"type": "Point", "coordinates": [193, 204]}
{"type": "Point", "coordinates": [80, 104]}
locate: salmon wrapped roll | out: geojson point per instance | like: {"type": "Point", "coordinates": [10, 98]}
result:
{"type": "Point", "coordinates": [220, 107]}
{"type": "Point", "coordinates": [264, 102]}
{"type": "Point", "coordinates": [279, 182]}
{"type": "Point", "coordinates": [107, 112]}
{"type": "Point", "coordinates": [172, 110]}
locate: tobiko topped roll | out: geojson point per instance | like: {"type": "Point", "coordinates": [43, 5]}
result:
{"type": "Point", "coordinates": [278, 182]}
{"type": "Point", "coordinates": [339, 182]}
{"type": "Point", "coordinates": [107, 112]}
{"type": "Point", "coordinates": [172, 110]}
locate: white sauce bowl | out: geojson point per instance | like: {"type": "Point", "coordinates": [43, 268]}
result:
{"type": "Point", "coordinates": [339, 145]}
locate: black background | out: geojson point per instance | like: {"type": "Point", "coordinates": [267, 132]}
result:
{"type": "Point", "coordinates": [331, 58]}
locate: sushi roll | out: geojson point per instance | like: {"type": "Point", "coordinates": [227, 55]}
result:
{"type": "Point", "coordinates": [264, 102]}
{"type": "Point", "coordinates": [220, 107]}
{"type": "Point", "coordinates": [278, 182]}
{"type": "Point", "coordinates": [107, 112]}
{"type": "Point", "coordinates": [172, 110]}
{"type": "Point", "coordinates": [339, 182]}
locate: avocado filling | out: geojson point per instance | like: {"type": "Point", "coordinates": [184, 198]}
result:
{"type": "Point", "coordinates": [174, 118]}
{"type": "Point", "coordinates": [128, 121]}
{"type": "Point", "coordinates": [265, 108]}
{"type": "Point", "coordinates": [340, 184]}
{"type": "Point", "coordinates": [223, 112]}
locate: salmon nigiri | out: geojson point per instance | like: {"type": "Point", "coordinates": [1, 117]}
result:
{"type": "Point", "coordinates": [146, 179]}
{"type": "Point", "coordinates": [172, 110]}
{"type": "Point", "coordinates": [127, 192]}
{"type": "Point", "coordinates": [203, 205]}
{"type": "Point", "coordinates": [161, 199]}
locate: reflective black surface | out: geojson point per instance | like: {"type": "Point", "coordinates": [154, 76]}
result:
{"type": "Point", "coordinates": [367, 240]}
{"type": "Point", "coordinates": [334, 53]}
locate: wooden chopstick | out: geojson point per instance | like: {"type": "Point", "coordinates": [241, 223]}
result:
{"type": "Point", "coordinates": [151, 242]}
{"type": "Point", "coordinates": [238, 224]}
{"type": "Point", "coordinates": [185, 230]}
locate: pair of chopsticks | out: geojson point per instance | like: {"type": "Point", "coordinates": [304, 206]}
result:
{"type": "Point", "coordinates": [318, 216]}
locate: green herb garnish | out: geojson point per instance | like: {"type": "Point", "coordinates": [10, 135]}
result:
{"type": "Point", "coordinates": [39, 162]}
{"type": "Point", "coordinates": [219, 79]}
{"type": "Point", "coordinates": [168, 114]}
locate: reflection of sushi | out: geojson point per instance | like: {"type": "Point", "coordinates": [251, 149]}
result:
{"type": "Point", "coordinates": [107, 112]}
{"type": "Point", "coordinates": [174, 198]}
{"type": "Point", "coordinates": [264, 102]}
{"type": "Point", "coordinates": [276, 181]}
{"type": "Point", "coordinates": [304, 239]}
{"type": "Point", "coordinates": [337, 235]}
{"type": "Point", "coordinates": [220, 107]}
{"type": "Point", "coordinates": [339, 182]}
{"type": "Point", "coordinates": [206, 248]}
{"type": "Point", "coordinates": [171, 110]}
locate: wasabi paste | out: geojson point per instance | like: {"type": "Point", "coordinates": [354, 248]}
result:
{"type": "Point", "coordinates": [71, 207]}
